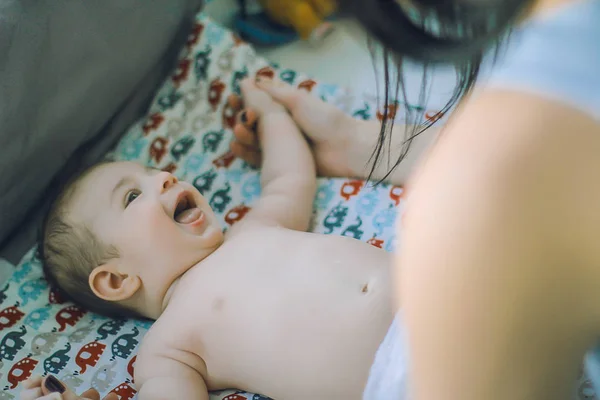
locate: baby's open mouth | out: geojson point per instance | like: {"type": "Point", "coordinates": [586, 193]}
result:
{"type": "Point", "coordinates": [186, 211]}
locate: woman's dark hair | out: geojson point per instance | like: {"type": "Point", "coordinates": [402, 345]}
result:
{"type": "Point", "coordinates": [431, 32]}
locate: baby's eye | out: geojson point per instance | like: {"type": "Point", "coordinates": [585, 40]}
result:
{"type": "Point", "coordinates": [131, 196]}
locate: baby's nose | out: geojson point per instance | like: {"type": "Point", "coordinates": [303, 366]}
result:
{"type": "Point", "coordinates": [166, 181]}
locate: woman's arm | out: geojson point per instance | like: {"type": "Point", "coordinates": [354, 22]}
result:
{"type": "Point", "coordinates": [499, 278]}
{"type": "Point", "coordinates": [364, 140]}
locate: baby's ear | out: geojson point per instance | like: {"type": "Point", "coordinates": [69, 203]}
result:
{"type": "Point", "coordinates": [108, 283]}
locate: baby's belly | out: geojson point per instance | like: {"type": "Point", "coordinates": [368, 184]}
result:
{"type": "Point", "coordinates": [300, 322]}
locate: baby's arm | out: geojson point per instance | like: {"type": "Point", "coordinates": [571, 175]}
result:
{"type": "Point", "coordinates": [171, 379]}
{"type": "Point", "coordinates": [288, 169]}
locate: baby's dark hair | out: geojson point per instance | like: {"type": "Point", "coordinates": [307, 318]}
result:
{"type": "Point", "coordinates": [69, 251]}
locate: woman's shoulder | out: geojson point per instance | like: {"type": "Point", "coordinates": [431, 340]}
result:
{"type": "Point", "coordinates": [556, 55]}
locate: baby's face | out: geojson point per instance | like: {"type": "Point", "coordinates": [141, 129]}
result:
{"type": "Point", "coordinates": [160, 226]}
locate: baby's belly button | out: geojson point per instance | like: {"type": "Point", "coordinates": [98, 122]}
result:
{"type": "Point", "coordinates": [369, 286]}
{"type": "Point", "coordinates": [365, 288]}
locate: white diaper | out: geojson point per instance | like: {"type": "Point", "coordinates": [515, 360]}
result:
{"type": "Point", "coordinates": [388, 378]}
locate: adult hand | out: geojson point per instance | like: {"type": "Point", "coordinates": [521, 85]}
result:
{"type": "Point", "coordinates": [50, 388]}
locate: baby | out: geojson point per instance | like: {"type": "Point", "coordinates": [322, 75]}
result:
{"type": "Point", "coordinates": [267, 308]}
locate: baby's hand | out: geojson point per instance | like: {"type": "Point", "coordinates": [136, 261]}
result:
{"type": "Point", "coordinates": [259, 104]}
{"type": "Point", "coordinates": [332, 133]}
{"type": "Point", "coordinates": [259, 100]}
{"type": "Point", "coordinates": [50, 388]}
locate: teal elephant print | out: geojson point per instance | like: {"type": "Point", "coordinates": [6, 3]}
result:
{"type": "Point", "coordinates": [335, 218]}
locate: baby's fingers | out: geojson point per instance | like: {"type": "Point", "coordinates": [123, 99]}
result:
{"type": "Point", "coordinates": [252, 95]}
{"type": "Point", "coordinates": [282, 92]}
{"type": "Point", "coordinates": [31, 393]}
{"type": "Point", "coordinates": [31, 388]}
{"type": "Point", "coordinates": [33, 382]}
{"type": "Point", "coordinates": [258, 99]}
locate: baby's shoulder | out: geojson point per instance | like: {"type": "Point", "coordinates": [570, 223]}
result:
{"type": "Point", "coordinates": [161, 332]}
{"type": "Point", "coordinates": [160, 347]}
{"type": "Point", "coordinates": [154, 342]}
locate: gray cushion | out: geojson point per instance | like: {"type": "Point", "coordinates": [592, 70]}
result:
{"type": "Point", "coordinates": [72, 71]}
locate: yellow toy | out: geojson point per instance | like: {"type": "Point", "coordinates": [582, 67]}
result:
{"type": "Point", "coordinates": [306, 17]}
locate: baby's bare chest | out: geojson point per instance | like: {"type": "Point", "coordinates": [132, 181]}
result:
{"type": "Point", "coordinates": [278, 278]}
{"type": "Point", "coordinates": [252, 269]}
{"type": "Point", "coordinates": [289, 295]}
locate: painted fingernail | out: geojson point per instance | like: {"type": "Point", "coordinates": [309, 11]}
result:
{"type": "Point", "coordinates": [54, 385]}
{"type": "Point", "coordinates": [244, 117]}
